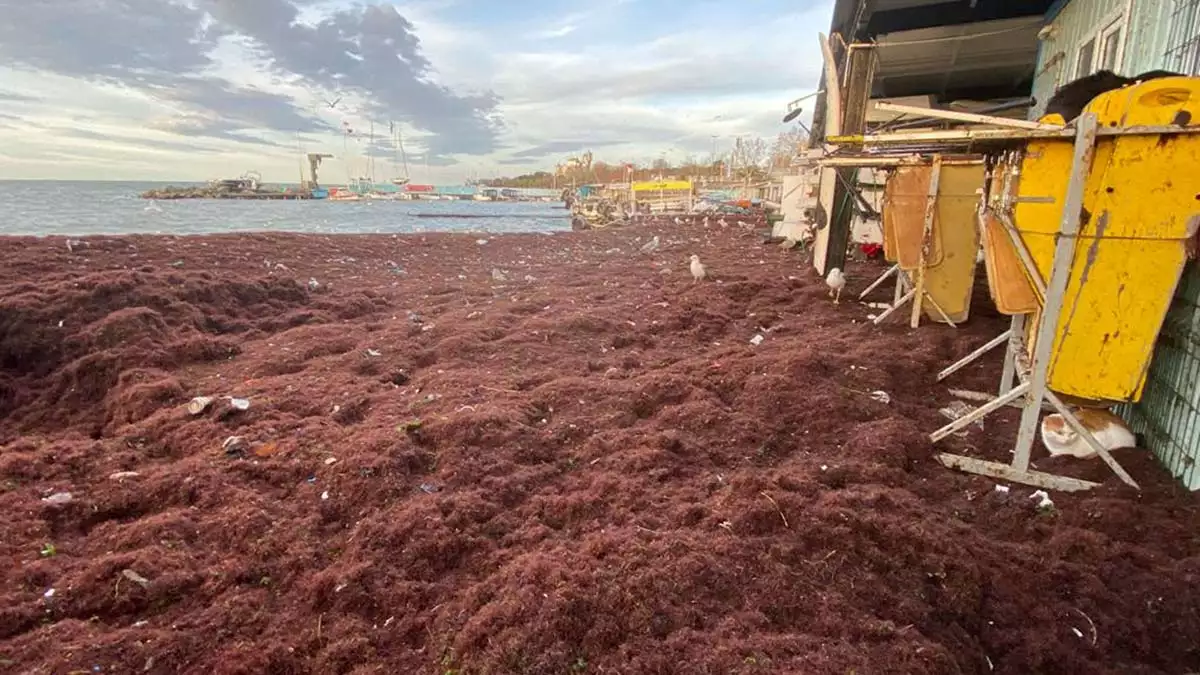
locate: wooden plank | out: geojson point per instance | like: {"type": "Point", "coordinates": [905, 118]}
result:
{"type": "Point", "coordinates": [982, 397]}
{"type": "Point", "coordinates": [878, 282]}
{"type": "Point", "coordinates": [975, 355]}
{"type": "Point", "coordinates": [860, 73]}
{"type": "Point", "coordinates": [833, 90]}
{"type": "Point", "coordinates": [951, 135]}
{"type": "Point", "coordinates": [900, 302]}
{"type": "Point", "coordinates": [1046, 481]}
{"type": "Point", "coordinates": [1009, 371]}
{"type": "Point", "coordinates": [884, 162]}
{"type": "Point", "coordinates": [979, 413]}
{"type": "Point", "coordinates": [963, 116]}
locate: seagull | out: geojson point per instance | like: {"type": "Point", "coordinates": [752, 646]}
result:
{"type": "Point", "coordinates": [333, 104]}
{"type": "Point", "coordinates": [744, 225]}
{"type": "Point", "coordinates": [836, 282]}
{"type": "Point", "coordinates": [706, 221]}
{"type": "Point", "coordinates": [698, 271]}
{"type": "Point", "coordinates": [650, 246]}
{"type": "Point", "coordinates": [678, 220]}
{"type": "Point", "coordinates": [722, 222]}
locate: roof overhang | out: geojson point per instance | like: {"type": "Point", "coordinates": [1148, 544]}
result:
{"type": "Point", "coordinates": [989, 59]}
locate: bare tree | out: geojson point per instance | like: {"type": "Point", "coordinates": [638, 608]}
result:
{"type": "Point", "coordinates": [749, 156]}
{"type": "Point", "coordinates": [787, 145]}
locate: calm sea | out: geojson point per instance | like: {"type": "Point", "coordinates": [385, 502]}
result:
{"type": "Point", "coordinates": [81, 208]}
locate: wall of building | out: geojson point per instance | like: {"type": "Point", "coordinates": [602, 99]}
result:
{"type": "Point", "coordinates": [1142, 42]}
{"type": "Point", "coordinates": [1149, 30]}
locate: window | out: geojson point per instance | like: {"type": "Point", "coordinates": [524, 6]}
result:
{"type": "Point", "coordinates": [1083, 61]}
{"type": "Point", "coordinates": [1111, 47]}
{"type": "Point", "coordinates": [1183, 44]}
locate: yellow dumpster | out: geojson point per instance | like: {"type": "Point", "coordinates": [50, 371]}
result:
{"type": "Point", "coordinates": [950, 262]}
{"type": "Point", "coordinates": [1141, 203]}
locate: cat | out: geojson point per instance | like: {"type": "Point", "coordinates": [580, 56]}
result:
{"type": "Point", "coordinates": [1070, 100]}
{"type": "Point", "coordinates": [1109, 430]}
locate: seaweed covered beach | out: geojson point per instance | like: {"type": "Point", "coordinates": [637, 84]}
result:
{"type": "Point", "coordinates": [533, 453]}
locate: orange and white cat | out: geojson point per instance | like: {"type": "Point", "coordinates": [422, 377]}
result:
{"type": "Point", "coordinates": [1109, 430]}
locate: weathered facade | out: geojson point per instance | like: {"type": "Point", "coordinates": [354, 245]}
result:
{"type": "Point", "coordinates": [1125, 36]}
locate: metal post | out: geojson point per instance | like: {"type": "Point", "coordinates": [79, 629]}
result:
{"type": "Point", "coordinates": [978, 413]}
{"type": "Point", "coordinates": [901, 286]}
{"type": "Point", "coordinates": [898, 304]}
{"type": "Point", "coordinates": [1009, 373]}
{"type": "Point", "coordinates": [1064, 250]}
{"type": "Point", "coordinates": [926, 240]}
{"type": "Point", "coordinates": [1087, 436]}
{"type": "Point", "coordinates": [878, 282]}
{"type": "Point", "coordinates": [975, 355]}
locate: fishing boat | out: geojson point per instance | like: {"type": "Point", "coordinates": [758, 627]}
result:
{"type": "Point", "coordinates": [344, 195]}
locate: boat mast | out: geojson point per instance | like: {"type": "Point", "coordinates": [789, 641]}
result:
{"type": "Point", "coordinates": [403, 154]}
{"type": "Point", "coordinates": [371, 155]}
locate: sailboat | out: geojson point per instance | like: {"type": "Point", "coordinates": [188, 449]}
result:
{"type": "Point", "coordinates": [398, 147]}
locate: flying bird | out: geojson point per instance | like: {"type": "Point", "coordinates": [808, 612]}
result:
{"type": "Point", "coordinates": [650, 246]}
{"type": "Point", "coordinates": [698, 271]}
{"type": "Point", "coordinates": [836, 282]}
{"type": "Point", "coordinates": [333, 104]}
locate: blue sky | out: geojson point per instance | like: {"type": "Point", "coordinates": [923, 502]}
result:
{"type": "Point", "coordinates": [195, 89]}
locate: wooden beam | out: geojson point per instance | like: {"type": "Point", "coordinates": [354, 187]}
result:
{"type": "Point", "coordinates": [833, 89]}
{"type": "Point", "coordinates": [979, 413]}
{"type": "Point", "coordinates": [962, 116]}
{"type": "Point", "coordinates": [885, 162]}
{"type": "Point", "coordinates": [1046, 481]}
{"type": "Point", "coordinates": [974, 135]}
{"type": "Point", "coordinates": [975, 355]}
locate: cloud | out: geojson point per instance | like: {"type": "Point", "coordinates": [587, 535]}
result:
{"type": "Point", "coordinates": [118, 39]}
{"type": "Point", "coordinates": [373, 50]}
{"type": "Point", "coordinates": [14, 96]}
{"type": "Point", "coordinates": [164, 48]}
{"type": "Point", "coordinates": [561, 31]}
{"type": "Point", "coordinates": [560, 147]}
{"type": "Point", "coordinates": [126, 142]}
{"type": "Point", "coordinates": [493, 88]}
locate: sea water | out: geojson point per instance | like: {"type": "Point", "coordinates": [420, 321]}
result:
{"type": "Point", "coordinates": [79, 208]}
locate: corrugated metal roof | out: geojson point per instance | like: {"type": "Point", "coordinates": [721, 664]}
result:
{"type": "Point", "coordinates": [992, 54]}
{"type": "Point", "coordinates": [889, 5]}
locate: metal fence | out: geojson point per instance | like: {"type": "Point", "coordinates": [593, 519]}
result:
{"type": "Point", "coordinates": [1183, 44]}
{"type": "Point", "coordinates": [1169, 413]}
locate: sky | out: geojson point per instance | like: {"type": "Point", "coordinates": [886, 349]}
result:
{"type": "Point", "coordinates": [202, 89]}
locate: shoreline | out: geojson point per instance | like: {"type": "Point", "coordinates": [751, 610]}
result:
{"type": "Point", "coordinates": [542, 448]}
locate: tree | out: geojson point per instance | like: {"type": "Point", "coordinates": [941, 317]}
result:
{"type": "Point", "coordinates": [787, 145]}
{"type": "Point", "coordinates": [749, 156]}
